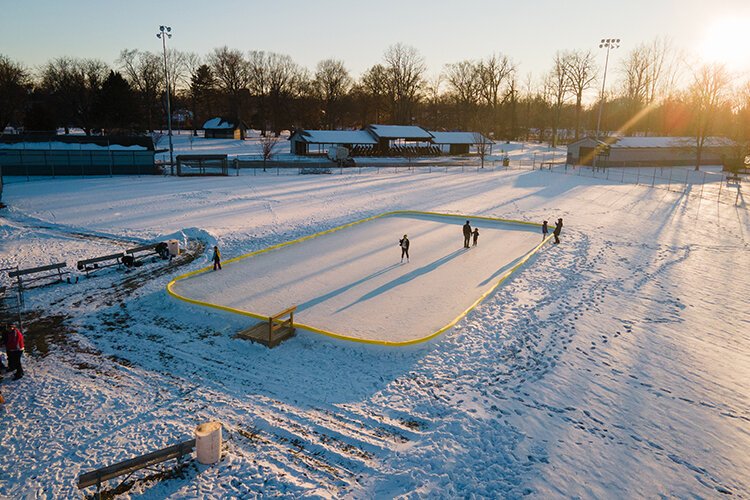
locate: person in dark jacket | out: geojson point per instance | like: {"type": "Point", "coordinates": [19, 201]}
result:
{"type": "Point", "coordinates": [404, 244]}
{"type": "Point", "coordinates": [216, 258]}
{"type": "Point", "coordinates": [476, 235]}
{"type": "Point", "coordinates": [14, 349]}
{"type": "Point", "coordinates": [467, 234]}
{"type": "Point", "coordinates": [545, 230]}
{"type": "Point", "coordinates": [558, 229]}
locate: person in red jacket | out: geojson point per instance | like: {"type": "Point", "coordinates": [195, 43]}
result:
{"type": "Point", "coordinates": [14, 349]}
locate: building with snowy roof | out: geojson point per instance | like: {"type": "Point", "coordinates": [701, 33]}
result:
{"type": "Point", "coordinates": [459, 143]}
{"type": "Point", "coordinates": [223, 128]}
{"type": "Point", "coordinates": [385, 140]}
{"type": "Point", "coordinates": [648, 151]}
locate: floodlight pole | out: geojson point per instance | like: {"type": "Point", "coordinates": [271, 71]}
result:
{"type": "Point", "coordinates": [164, 33]}
{"type": "Point", "coordinates": [609, 43]}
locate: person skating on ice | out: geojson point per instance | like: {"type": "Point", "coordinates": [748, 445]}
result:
{"type": "Point", "coordinates": [216, 258]}
{"type": "Point", "coordinates": [545, 230]}
{"type": "Point", "coordinates": [476, 235]}
{"type": "Point", "coordinates": [404, 244]}
{"type": "Point", "coordinates": [467, 234]}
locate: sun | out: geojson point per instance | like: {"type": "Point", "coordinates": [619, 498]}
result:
{"type": "Point", "coordinates": [726, 41]}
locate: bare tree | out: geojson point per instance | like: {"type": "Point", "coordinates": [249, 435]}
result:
{"type": "Point", "coordinates": [374, 84]}
{"type": "Point", "coordinates": [463, 87]}
{"type": "Point", "coordinates": [15, 83]}
{"type": "Point", "coordinates": [556, 84]}
{"type": "Point", "coordinates": [331, 83]}
{"type": "Point", "coordinates": [581, 74]}
{"type": "Point", "coordinates": [268, 145]}
{"type": "Point", "coordinates": [483, 145]}
{"type": "Point", "coordinates": [231, 71]}
{"type": "Point", "coordinates": [707, 93]}
{"type": "Point", "coordinates": [145, 73]}
{"type": "Point", "coordinates": [405, 68]}
{"type": "Point", "coordinates": [495, 74]}
{"type": "Point", "coordinates": [74, 84]}
{"type": "Point", "coordinates": [286, 79]}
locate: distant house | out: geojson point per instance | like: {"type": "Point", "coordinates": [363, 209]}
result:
{"type": "Point", "coordinates": [648, 151]}
{"type": "Point", "coordinates": [458, 143]}
{"type": "Point", "coordinates": [222, 128]}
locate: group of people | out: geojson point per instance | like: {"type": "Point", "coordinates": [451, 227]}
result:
{"type": "Point", "coordinates": [470, 234]}
{"type": "Point", "coordinates": [555, 233]}
{"type": "Point", "coordinates": [12, 339]}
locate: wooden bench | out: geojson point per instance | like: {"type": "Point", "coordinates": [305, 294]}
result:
{"type": "Point", "coordinates": [274, 331]}
{"type": "Point", "coordinates": [51, 271]}
{"type": "Point", "coordinates": [128, 467]}
{"type": "Point", "coordinates": [91, 265]}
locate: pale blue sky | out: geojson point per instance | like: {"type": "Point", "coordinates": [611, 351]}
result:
{"type": "Point", "coordinates": [33, 31]}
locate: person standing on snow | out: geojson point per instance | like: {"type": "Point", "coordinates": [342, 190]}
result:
{"type": "Point", "coordinates": [404, 244]}
{"type": "Point", "coordinates": [558, 229]}
{"type": "Point", "coordinates": [216, 258]}
{"type": "Point", "coordinates": [467, 234]}
{"type": "Point", "coordinates": [476, 235]}
{"type": "Point", "coordinates": [545, 230]}
{"type": "Point", "coordinates": [14, 349]}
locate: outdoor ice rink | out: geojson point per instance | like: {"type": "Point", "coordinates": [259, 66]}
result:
{"type": "Point", "coordinates": [350, 282]}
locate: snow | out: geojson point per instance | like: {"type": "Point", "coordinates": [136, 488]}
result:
{"type": "Point", "coordinates": [612, 365]}
{"type": "Point", "coordinates": [456, 138]}
{"type": "Point", "coordinates": [218, 123]}
{"type": "Point", "coordinates": [351, 282]}
{"type": "Point", "coordinates": [400, 132]}
{"type": "Point", "coordinates": [338, 137]}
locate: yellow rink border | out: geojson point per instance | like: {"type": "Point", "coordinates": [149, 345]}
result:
{"type": "Point", "coordinates": [458, 318]}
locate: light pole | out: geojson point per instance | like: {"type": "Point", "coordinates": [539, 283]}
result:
{"type": "Point", "coordinates": [164, 33]}
{"type": "Point", "coordinates": [609, 43]}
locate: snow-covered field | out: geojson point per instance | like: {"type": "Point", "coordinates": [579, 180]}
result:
{"type": "Point", "coordinates": [613, 365]}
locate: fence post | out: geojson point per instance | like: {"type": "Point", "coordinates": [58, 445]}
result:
{"type": "Point", "coordinates": [653, 180]}
{"type": "Point", "coordinates": [687, 176]}
{"type": "Point", "coordinates": [737, 198]}
{"type": "Point", "coordinates": [702, 184]}
{"type": "Point", "coordinates": [669, 185]}
{"type": "Point", "coordinates": [721, 183]}
{"type": "Point", "coordinates": [638, 176]}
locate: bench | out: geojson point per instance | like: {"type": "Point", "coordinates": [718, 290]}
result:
{"type": "Point", "coordinates": [734, 178]}
{"type": "Point", "coordinates": [128, 467]}
{"type": "Point", "coordinates": [91, 265]}
{"type": "Point", "coordinates": [51, 271]}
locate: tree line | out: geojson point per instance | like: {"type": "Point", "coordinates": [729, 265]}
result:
{"type": "Point", "coordinates": [655, 92]}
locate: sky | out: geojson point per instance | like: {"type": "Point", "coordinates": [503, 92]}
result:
{"type": "Point", "coordinates": [530, 32]}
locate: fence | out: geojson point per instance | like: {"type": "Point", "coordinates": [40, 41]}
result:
{"type": "Point", "coordinates": [708, 183]}
{"type": "Point", "coordinates": [64, 162]}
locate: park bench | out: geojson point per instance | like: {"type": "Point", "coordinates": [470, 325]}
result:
{"type": "Point", "coordinates": [735, 178]}
{"type": "Point", "coordinates": [33, 274]}
{"type": "Point", "coordinates": [91, 265]}
{"type": "Point", "coordinates": [128, 467]}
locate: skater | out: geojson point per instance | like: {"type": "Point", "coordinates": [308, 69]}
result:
{"type": "Point", "coordinates": [216, 258]}
{"type": "Point", "coordinates": [467, 234]}
{"type": "Point", "coordinates": [404, 244]}
{"type": "Point", "coordinates": [558, 229]}
{"type": "Point", "coordinates": [545, 230]}
{"type": "Point", "coordinates": [476, 235]}
{"type": "Point", "coordinates": [14, 350]}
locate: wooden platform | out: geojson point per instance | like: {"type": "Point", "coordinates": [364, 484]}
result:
{"type": "Point", "coordinates": [259, 333]}
{"type": "Point", "coordinates": [272, 332]}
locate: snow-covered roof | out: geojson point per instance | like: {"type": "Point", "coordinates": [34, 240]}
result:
{"type": "Point", "coordinates": [336, 137]}
{"type": "Point", "coordinates": [219, 123]}
{"type": "Point", "coordinates": [668, 142]}
{"type": "Point", "coordinates": [399, 132]}
{"type": "Point", "coordinates": [459, 138]}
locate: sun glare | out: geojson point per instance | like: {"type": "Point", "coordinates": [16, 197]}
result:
{"type": "Point", "coordinates": [726, 41]}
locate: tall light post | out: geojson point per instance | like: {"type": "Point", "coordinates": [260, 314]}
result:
{"type": "Point", "coordinates": [608, 43]}
{"type": "Point", "coordinates": [164, 33]}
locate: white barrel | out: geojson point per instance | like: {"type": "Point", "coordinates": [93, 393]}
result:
{"type": "Point", "coordinates": [174, 247]}
{"type": "Point", "coordinates": [208, 442]}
